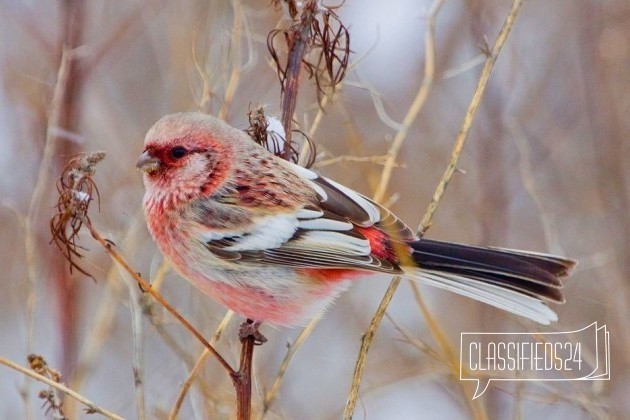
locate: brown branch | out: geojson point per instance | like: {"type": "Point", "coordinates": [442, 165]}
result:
{"type": "Point", "coordinates": [470, 115]}
{"type": "Point", "coordinates": [297, 38]}
{"type": "Point", "coordinates": [145, 286]}
{"type": "Point", "coordinates": [198, 365]}
{"type": "Point", "coordinates": [457, 149]}
{"type": "Point", "coordinates": [317, 29]}
{"type": "Point", "coordinates": [242, 380]}
{"type": "Point", "coordinates": [450, 359]}
{"type": "Point", "coordinates": [271, 395]}
{"type": "Point", "coordinates": [417, 104]}
{"type": "Point", "coordinates": [91, 407]}
{"type": "Point", "coordinates": [366, 341]}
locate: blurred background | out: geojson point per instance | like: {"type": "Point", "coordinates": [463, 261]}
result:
{"type": "Point", "coordinates": [543, 169]}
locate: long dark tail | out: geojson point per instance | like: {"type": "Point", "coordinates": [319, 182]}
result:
{"type": "Point", "coordinates": [517, 281]}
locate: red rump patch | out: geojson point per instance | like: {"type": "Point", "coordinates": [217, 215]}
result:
{"type": "Point", "coordinates": [379, 242]}
{"type": "Point", "coordinates": [330, 275]}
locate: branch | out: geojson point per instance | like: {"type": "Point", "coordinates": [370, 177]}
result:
{"type": "Point", "coordinates": [91, 407]}
{"type": "Point", "coordinates": [366, 341]}
{"type": "Point", "coordinates": [271, 395]}
{"type": "Point", "coordinates": [470, 115]}
{"type": "Point", "coordinates": [198, 365]}
{"type": "Point", "coordinates": [450, 170]}
{"type": "Point", "coordinates": [146, 287]}
{"type": "Point", "coordinates": [416, 105]}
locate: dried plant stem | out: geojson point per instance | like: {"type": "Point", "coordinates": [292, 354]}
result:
{"type": "Point", "coordinates": [235, 74]}
{"type": "Point", "coordinates": [138, 349]}
{"type": "Point", "coordinates": [242, 380]}
{"type": "Point", "coordinates": [450, 170]}
{"type": "Point", "coordinates": [91, 407]}
{"type": "Point", "coordinates": [376, 159]}
{"type": "Point", "coordinates": [319, 116]}
{"type": "Point", "coordinates": [271, 395]}
{"type": "Point", "coordinates": [526, 168]}
{"type": "Point", "coordinates": [449, 358]}
{"type": "Point", "coordinates": [379, 195]}
{"type": "Point", "coordinates": [100, 329]}
{"type": "Point", "coordinates": [146, 287]}
{"type": "Point", "coordinates": [470, 115]}
{"type": "Point", "coordinates": [41, 186]}
{"type": "Point", "coordinates": [366, 341]}
{"type": "Point", "coordinates": [198, 365]}
{"type": "Point", "coordinates": [297, 39]}
{"type": "Point", "coordinates": [416, 105]}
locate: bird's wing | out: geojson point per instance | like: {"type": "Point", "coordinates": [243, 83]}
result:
{"type": "Point", "coordinates": [310, 237]}
{"type": "Point", "coordinates": [353, 206]}
{"type": "Point", "coordinates": [336, 228]}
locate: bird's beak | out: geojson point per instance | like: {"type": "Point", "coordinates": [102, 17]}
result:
{"type": "Point", "coordinates": [147, 163]}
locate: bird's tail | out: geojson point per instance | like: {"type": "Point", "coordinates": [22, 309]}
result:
{"type": "Point", "coordinates": [516, 281]}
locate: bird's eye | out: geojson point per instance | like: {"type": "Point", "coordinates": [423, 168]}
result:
{"type": "Point", "coordinates": [178, 152]}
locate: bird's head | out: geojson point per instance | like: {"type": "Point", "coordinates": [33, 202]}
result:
{"type": "Point", "coordinates": [187, 155]}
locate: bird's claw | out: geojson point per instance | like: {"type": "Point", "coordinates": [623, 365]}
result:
{"type": "Point", "coordinates": [249, 329]}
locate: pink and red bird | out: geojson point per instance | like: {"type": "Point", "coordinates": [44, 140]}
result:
{"type": "Point", "coordinates": [277, 243]}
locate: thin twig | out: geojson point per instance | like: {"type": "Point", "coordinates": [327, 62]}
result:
{"type": "Point", "coordinates": [459, 143]}
{"type": "Point", "coordinates": [450, 359]}
{"type": "Point", "coordinates": [271, 395]}
{"type": "Point", "coordinates": [379, 194]}
{"type": "Point", "coordinates": [418, 102]}
{"type": "Point", "coordinates": [376, 159]}
{"type": "Point", "coordinates": [138, 349]}
{"type": "Point", "coordinates": [41, 187]}
{"type": "Point", "coordinates": [470, 115]}
{"type": "Point", "coordinates": [183, 391]}
{"type": "Point", "coordinates": [91, 407]}
{"type": "Point", "coordinates": [366, 341]}
{"type": "Point", "coordinates": [235, 74]}
{"type": "Point", "coordinates": [146, 286]}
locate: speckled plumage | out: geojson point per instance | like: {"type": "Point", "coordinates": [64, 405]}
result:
{"type": "Point", "coordinates": [277, 243]}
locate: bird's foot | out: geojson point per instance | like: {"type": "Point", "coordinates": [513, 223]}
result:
{"type": "Point", "coordinates": [249, 329]}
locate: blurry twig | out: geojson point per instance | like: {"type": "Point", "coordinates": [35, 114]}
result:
{"type": "Point", "coordinates": [527, 178]}
{"type": "Point", "coordinates": [43, 176]}
{"type": "Point", "coordinates": [470, 115]}
{"type": "Point", "coordinates": [75, 188]}
{"type": "Point", "coordinates": [91, 407]}
{"type": "Point", "coordinates": [198, 365]}
{"type": "Point", "coordinates": [366, 341]}
{"type": "Point", "coordinates": [102, 324]}
{"type": "Point", "coordinates": [478, 60]}
{"type": "Point", "coordinates": [317, 28]}
{"type": "Point", "coordinates": [418, 102]}
{"type": "Point", "coordinates": [377, 101]}
{"type": "Point", "coordinates": [419, 344]}
{"type": "Point", "coordinates": [376, 159]}
{"type": "Point", "coordinates": [271, 395]}
{"type": "Point", "coordinates": [138, 349]}
{"type": "Point", "coordinates": [235, 74]}
{"type": "Point", "coordinates": [457, 149]}
{"type": "Point", "coordinates": [379, 194]}
{"type": "Point", "coordinates": [450, 358]}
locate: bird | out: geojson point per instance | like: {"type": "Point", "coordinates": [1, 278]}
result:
{"type": "Point", "coordinates": [277, 243]}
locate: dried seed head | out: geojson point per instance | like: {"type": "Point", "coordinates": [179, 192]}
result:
{"type": "Point", "coordinates": [269, 133]}
{"type": "Point", "coordinates": [76, 190]}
